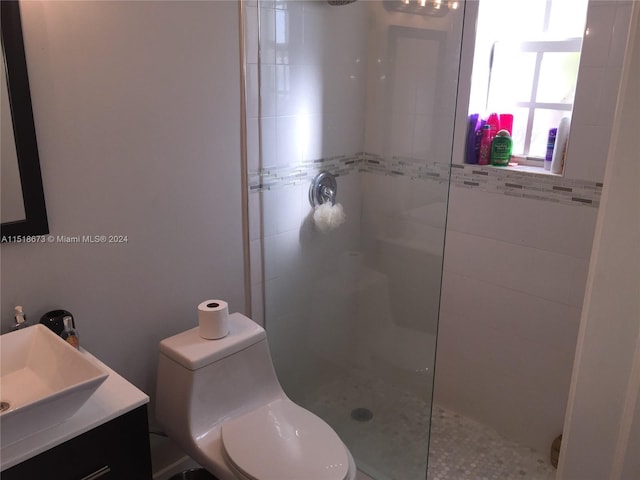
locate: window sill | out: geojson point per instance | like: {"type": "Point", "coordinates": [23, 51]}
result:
{"type": "Point", "coordinates": [516, 167]}
{"type": "Point", "coordinates": [532, 165]}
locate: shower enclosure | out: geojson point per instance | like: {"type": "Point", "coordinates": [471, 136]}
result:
{"type": "Point", "coordinates": [365, 91]}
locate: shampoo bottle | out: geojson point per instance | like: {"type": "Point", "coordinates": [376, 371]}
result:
{"type": "Point", "coordinates": [551, 141]}
{"type": "Point", "coordinates": [506, 123]}
{"type": "Point", "coordinates": [472, 127]}
{"type": "Point", "coordinates": [478, 138]}
{"type": "Point", "coordinates": [485, 146]}
{"type": "Point", "coordinates": [494, 121]}
{"type": "Point", "coordinates": [501, 149]}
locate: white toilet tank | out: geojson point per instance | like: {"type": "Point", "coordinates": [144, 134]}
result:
{"type": "Point", "coordinates": [203, 382]}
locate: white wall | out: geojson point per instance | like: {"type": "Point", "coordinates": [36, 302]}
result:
{"type": "Point", "coordinates": [515, 269]}
{"type": "Point", "coordinates": [602, 429]}
{"type": "Point", "coordinates": [597, 89]}
{"type": "Point", "coordinates": [136, 109]}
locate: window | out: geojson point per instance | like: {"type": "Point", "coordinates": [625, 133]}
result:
{"type": "Point", "coordinates": [526, 63]}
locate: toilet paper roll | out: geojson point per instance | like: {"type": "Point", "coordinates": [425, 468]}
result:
{"type": "Point", "coordinates": [213, 319]}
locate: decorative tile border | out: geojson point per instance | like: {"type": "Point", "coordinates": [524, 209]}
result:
{"type": "Point", "coordinates": [549, 188]}
{"type": "Point", "coordinates": [279, 177]}
{"type": "Point", "coordinates": [496, 180]}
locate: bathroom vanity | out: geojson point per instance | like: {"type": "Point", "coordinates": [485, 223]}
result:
{"type": "Point", "coordinates": [107, 438]}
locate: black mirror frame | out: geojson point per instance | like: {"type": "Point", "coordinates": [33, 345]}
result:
{"type": "Point", "coordinates": [36, 222]}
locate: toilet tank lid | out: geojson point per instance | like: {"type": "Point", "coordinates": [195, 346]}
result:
{"type": "Point", "coordinates": [192, 351]}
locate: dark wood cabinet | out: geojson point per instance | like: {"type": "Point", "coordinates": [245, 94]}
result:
{"type": "Point", "coordinates": [117, 450]}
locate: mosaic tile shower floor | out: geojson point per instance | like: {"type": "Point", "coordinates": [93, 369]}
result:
{"type": "Point", "coordinates": [395, 439]}
{"type": "Point", "coordinates": [463, 449]}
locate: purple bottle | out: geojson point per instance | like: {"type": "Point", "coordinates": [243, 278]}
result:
{"type": "Point", "coordinates": [551, 142]}
{"type": "Point", "coordinates": [471, 155]}
{"type": "Point", "coordinates": [478, 140]}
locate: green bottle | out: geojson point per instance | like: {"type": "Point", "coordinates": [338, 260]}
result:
{"type": "Point", "coordinates": [501, 149]}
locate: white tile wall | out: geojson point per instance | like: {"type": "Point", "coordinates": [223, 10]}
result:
{"type": "Point", "coordinates": [588, 142]}
{"type": "Point", "coordinates": [299, 66]}
{"type": "Point", "coordinates": [515, 268]}
{"type": "Point", "coordinates": [251, 32]}
{"type": "Point", "coordinates": [597, 88]}
{"type": "Point", "coordinates": [525, 318]}
{"type": "Point", "coordinates": [619, 33]}
{"type": "Point", "coordinates": [601, 16]}
{"type": "Point", "coordinates": [588, 94]}
{"type": "Point", "coordinates": [269, 142]}
{"type": "Point", "coordinates": [257, 303]}
{"type": "Point", "coordinates": [267, 34]}
{"type": "Point", "coordinates": [517, 386]}
{"type": "Point", "coordinates": [253, 144]}
{"type": "Point", "coordinates": [513, 284]}
{"type": "Point", "coordinates": [515, 271]}
{"type": "Point", "coordinates": [553, 276]}
{"type": "Point", "coordinates": [268, 92]}
{"type": "Point", "coordinates": [314, 139]}
{"type": "Point", "coordinates": [296, 256]}
{"type": "Point", "coordinates": [288, 140]}
{"type": "Point", "coordinates": [562, 229]}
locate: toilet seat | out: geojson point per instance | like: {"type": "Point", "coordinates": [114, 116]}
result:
{"type": "Point", "coordinates": [283, 441]}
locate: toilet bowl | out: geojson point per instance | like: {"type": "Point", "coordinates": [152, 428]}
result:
{"type": "Point", "coordinates": [221, 402]}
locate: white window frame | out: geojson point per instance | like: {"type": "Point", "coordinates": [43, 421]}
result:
{"type": "Point", "coordinates": [470, 92]}
{"type": "Point", "coordinates": [539, 47]}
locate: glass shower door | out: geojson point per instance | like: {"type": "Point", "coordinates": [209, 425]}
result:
{"type": "Point", "coordinates": [366, 91]}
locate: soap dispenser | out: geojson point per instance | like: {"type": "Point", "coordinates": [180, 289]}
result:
{"type": "Point", "coordinates": [69, 333]}
{"type": "Point", "coordinates": [20, 318]}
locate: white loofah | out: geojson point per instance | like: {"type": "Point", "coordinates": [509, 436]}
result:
{"type": "Point", "coordinates": [328, 217]}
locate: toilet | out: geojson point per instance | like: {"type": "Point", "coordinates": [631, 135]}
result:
{"type": "Point", "coordinates": [221, 402]}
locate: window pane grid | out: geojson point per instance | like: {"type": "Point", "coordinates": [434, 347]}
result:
{"type": "Point", "coordinates": [532, 99]}
{"type": "Point", "coordinates": [533, 54]}
{"type": "Point", "coordinates": [566, 107]}
{"type": "Point", "coordinates": [507, 55]}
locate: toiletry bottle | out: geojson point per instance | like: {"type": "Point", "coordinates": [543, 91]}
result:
{"type": "Point", "coordinates": [494, 121]}
{"type": "Point", "coordinates": [478, 138]}
{"type": "Point", "coordinates": [53, 320]}
{"type": "Point", "coordinates": [20, 318]}
{"type": "Point", "coordinates": [485, 146]}
{"type": "Point", "coordinates": [560, 148]}
{"type": "Point", "coordinates": [501, 149]}
{"type": "Point", "coordinates": [506, 123]}
{"type": "Point", "coordinates": [472, 127]}
{"type": "Point", "coordinates": [551, 141]}
{"type": "Point", "coordinates": [70, 334]}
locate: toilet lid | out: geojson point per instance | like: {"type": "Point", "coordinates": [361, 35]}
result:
{"type": "Point", "coordinates": [283, 441]}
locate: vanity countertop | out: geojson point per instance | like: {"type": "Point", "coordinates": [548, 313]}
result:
{"type": "Point", "coordinates": [113, 398]}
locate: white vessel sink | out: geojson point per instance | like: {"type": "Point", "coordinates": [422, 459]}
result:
{"type": "Point", "coordinates": [43, 381]}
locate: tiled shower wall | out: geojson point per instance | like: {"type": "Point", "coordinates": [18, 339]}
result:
{"type": "Point", "coordinates": [517, 246]}
{"type": "Point", "coordinates": [515, 266]}
{"type": "Point", "coordinates": [307, 104]}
